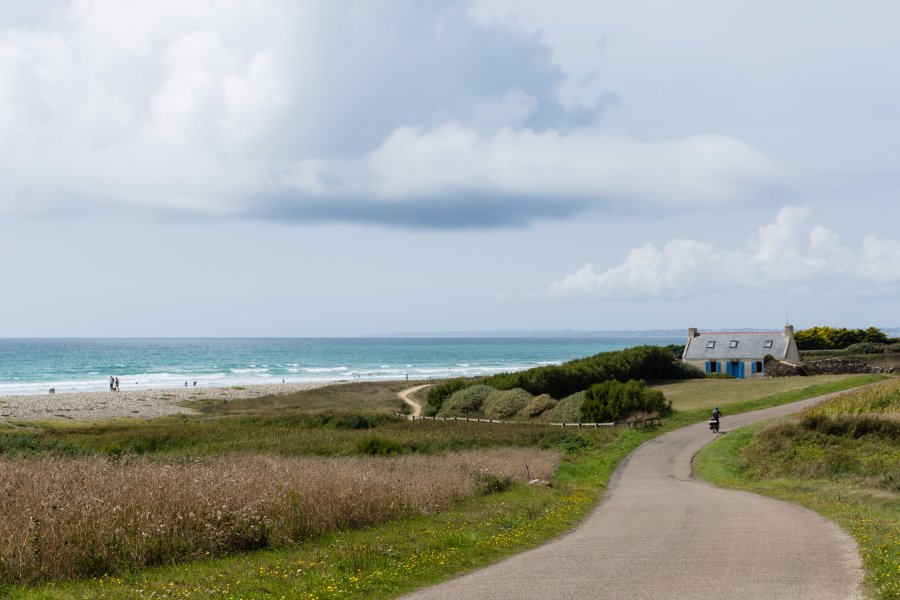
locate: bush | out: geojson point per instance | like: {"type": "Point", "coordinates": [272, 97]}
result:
{"type": "Point", "coordinates": [504, 404]}
{"type": "Point", "coordinates": [378, 446]}
{"type": "Point", "coordinates": [440, 392]}
{"type": "Point", "coordinates": [488, 483]}
{"type": "Point", "coordinates": [613, 401]}
{"type": "Point", "coordinates": [538, 406]}
{"type": "Point", "coordinates": [468, 401]}
{"type": "Point", "coordinates": [568, 410]}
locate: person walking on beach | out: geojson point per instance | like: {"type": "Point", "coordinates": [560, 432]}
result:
{"type": "Point", "coordinates": [117, 384]}
{"type": "Point", "coordinates": [112, 383]}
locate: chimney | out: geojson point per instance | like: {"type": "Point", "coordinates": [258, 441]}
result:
{"type": "Point", "coordinates": [789, 330]}
{"type": "Point", "coordinates": [692, 332]}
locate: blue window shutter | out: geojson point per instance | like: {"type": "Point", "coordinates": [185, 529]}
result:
{"type": "Point", "coordinates": [753, 367]}
{"type": "Point", "coordinates": [707, 367]}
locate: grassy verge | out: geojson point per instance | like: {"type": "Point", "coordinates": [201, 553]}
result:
{"type": "Point", "coordinates": [388, 559]}
{"type": "Point", "coordinates": [843, 466]}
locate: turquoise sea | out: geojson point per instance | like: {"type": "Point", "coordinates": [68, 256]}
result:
{"type": "Point", "coordinates": [32, 366]}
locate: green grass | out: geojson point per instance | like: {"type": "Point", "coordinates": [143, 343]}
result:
{"type": "Point", "coordinates": [369, 396]}
{"type": "Point", "coordinates": [324, 434]}
{"type": "Point", "coordinates": [385, 560]}
{"type": "Point", "coordinates": [702, 393]}
{"type": "Point", "coordinates": [837, 466]}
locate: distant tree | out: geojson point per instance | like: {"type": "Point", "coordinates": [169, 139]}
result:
{"type": "Point", "coordinates": [876, 336]}
{"type": "Point", "coordinates": [832, 338]}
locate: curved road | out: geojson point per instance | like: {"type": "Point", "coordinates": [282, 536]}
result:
{"type": "Point", "coordinates": [661, 533]}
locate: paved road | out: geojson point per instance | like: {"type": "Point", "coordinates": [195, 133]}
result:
{"type": "Point", "coordinates": [661, 533]}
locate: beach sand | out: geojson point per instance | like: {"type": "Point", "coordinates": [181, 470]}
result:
{"type": "Point", "coordinates": [139, 404]}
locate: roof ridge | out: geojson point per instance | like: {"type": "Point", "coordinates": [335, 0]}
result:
{"type": "Point", "coordinates": [742, 332]}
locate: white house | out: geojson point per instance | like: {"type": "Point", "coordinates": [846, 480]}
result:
{"type": "Point", "coordinates": [739, 353]}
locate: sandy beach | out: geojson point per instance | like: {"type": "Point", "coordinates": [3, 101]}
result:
{"type": "Point", "coordinates": [140, 404]}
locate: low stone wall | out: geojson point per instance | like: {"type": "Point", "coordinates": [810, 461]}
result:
{"type": "Point", "coordinates": [776, 368]}
{"type": "Point", "coordinates": [840, 366]}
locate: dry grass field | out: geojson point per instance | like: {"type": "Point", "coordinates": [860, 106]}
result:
{"type": "Point", "coordinates": [64, 518]}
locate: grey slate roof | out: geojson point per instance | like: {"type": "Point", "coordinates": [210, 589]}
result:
{"type": "Point", "coordinates": [750, 345]}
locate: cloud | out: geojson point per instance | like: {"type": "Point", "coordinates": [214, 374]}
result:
{"type": "Point", "coordinates": [321, 111]}
{"type": "Point", "coordinates": [518, 167]}
{"type": "Point", "coordinates": [785, 254]}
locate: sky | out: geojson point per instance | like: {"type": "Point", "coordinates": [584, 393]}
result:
{"type": "Point", "coordinates": [317, 168]}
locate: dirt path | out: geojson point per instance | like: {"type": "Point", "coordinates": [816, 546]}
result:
{"type": "Point", "coordinates": [405, 396]}
{"type": "Point", "coordinates": [661, 533]}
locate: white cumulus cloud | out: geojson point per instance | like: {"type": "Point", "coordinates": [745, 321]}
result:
{"type": "Point", "coordinates": [786, 253]}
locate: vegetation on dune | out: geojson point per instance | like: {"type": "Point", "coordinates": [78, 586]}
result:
{"type": "Point", "coordinates": [840, 458]}
{"type": "Point", "coordinates": [648, 363]}
{"type": "Point", "coordinates": [641, 362]}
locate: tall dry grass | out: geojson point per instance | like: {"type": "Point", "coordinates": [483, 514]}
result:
{"type": "Point", "coordinates": [883, 398]}
{"type": "Point", "coordinates": [69, 518]}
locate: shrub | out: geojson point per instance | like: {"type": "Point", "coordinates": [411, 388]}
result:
{"type": "Point", "coordinates": [568, 410]}
{"type": "Point", "coordinates": [612, 401]}
{"type": "Point", "coordinates": [440, 392]}
{"type": "Point", "coordinates": [488, 483]}
{"type": "Point", "coordinates": [466, 401]}
{"type": "Point", "coordinates": [538, 406]}
{"type": "Point", "coordinates": [504, 404]}
{"type": "Point", "coordinates": [378, 446]}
